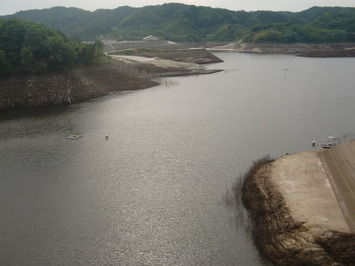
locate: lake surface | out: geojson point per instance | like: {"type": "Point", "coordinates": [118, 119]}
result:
{"type": "Point", "coordinates": [154, 192]}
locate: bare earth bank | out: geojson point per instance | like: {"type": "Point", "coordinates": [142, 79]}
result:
{"type": "Point", "coordinates": [300, 49]}
{"type": "Point", "coordinates": [90, 82]}
{"type": "Point", "coordinates": [298, 219]}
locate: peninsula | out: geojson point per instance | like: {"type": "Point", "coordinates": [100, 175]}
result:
{"type": "Point", "coordinates": [117, 73]}
{"type": "Point", "coordinates": [41, 66]}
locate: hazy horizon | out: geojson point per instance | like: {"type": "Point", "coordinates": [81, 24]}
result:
{"type": "Point", "coordinates": [8, 8]}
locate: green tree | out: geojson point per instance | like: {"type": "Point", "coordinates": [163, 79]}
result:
{"type": "Point", "coordinates": [35, 37]}
{"type": "Point", "coordinates": [27, 60]}
{"type": "Point", "coordinates": [225, 32]}
{"type": "Point", "coordinates": [12, 38]}
{"type": "Point", "coordinates": [27, 47]}
{"type": "Point", "coordinates": [5, 66]}
{"type": "Point", "coordinates": [61, 55]}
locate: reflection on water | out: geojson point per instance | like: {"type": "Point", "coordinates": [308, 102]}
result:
{"type": "Point", "coordinates": [168, 82]}
{"type": "Point", "coordinates": [155, 192]}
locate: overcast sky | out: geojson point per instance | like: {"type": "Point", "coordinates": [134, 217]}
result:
{"type": "Point", "coordinates": [12, 6]}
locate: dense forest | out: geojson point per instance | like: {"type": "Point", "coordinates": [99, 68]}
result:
{"type": "Point", "coordinates": [32, 48]}
{"type": "Point", "coordinates": [181, 23]}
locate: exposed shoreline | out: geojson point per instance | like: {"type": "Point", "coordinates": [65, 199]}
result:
{"type": "Point", "coordinates": [296, 214]}
{"type": "Point", "coordinates": [346, 49]}
{"type": "Point", "coordinates": [86, 83]}
{"type": "Point", "coordinates": [299, 49]}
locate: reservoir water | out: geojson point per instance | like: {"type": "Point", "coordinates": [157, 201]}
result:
{"type": "Point", "coordinates": [154, 192]}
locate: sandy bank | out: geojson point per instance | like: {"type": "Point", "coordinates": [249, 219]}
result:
{"type": "Point", "coordinates": [298, 219]}
{"type": "Point", "coordinates": [164, 67]}
{"type": "Point", "coordinates": [167, 63]}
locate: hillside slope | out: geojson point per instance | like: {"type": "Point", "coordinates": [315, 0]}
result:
{"type": "Point", "coordinates": [181, 23]}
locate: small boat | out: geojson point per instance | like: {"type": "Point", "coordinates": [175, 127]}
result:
{"type": "Point", "coordinates": [331, 142]}
{"type": "Point", "coordinates": [327, 145]}
{"type": "Point", "coordinates": [75, 136]}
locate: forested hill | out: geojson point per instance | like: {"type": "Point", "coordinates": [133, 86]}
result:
{"type": "Point", "coordinates": [179, 22]}
{"type": "Point", "coordinates": [32, 48]}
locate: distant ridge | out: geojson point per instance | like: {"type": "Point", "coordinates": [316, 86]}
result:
{"type": "Point", "coordinates": [188, 23]}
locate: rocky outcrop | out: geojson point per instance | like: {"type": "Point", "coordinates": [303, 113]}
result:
{"type": "Point", "coordinates": [42, 90]}
{"type": "Point", "coordinates": [284, 238]}
{"type": "Point", "coordinates": [69, 87]}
